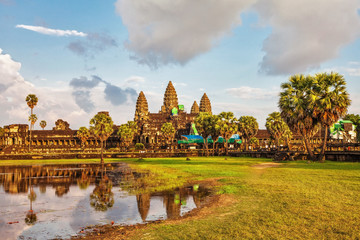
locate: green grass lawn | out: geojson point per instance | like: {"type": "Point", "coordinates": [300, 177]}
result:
{"type": "Point", "coordinates": [296, 200]}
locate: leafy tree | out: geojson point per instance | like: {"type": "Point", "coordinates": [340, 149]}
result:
{"type": "Point", "coordinates": [330, 103]}
{"type": "Point", "coordinates": [296, 105]}
{"type": "Point", "coordinates": [83, 134]}
{"type": "Point", "coordinates": [253, 142]}
{"type": "Point", "coordinates": [31, 101]}
{"type": "Point", "coordinates": [277, 128]}
{"type": "Point", "coordinates": [356, 121]}
{"type": "Point", "coordinates": [127, 133]}
{"type": "Point", "coordinates": [102, 198]}
{"type": "Point", "coordinates": [43, 124]}
{"type": "Point", "coordinates": [205, 124]}
{"type": "Point", "coordinates": [248, 128]}
{"type": "Point", "coordinates": [227, 125]}
{"type": "Point", "coordinates": [101, 126]}
{"type": "Point", "coordinates": [215, 131]}
{"type": "Point", "coordinates": [168, 132]}
{"type": "Point", "coordinates": [139, 146]}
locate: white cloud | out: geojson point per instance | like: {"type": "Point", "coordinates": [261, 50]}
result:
{"type": "Point", "coordinates": [54, 102]}
{"type": "Point", "coordinates": [246, 92]}
{"type": "Point", "coordinates": [306, 33]}
{"type": "Point", "coordinates": [303, 35]}
{"type": "Point", "coordinates": [49, 31]}
{"type": "Point", "coordinates": [167, 31]}
{"type": "Point", "coordinates": [135, 79]}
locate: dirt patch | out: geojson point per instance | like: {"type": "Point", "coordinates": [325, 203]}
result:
{"type": "Point", "coordinates": [124, 232]}
{"type": "Point", "coordinates": [266, 165]}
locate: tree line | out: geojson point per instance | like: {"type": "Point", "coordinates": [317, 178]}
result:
{"type": "Point", "coordinates": [306, 103]}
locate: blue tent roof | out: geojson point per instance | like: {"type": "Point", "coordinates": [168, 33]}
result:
{"type": "Point", "coordinates": [192, 137]}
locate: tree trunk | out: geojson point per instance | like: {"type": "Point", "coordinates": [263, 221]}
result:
{"type": "Point", "coordinates": [213, 153]}
{"type": "Point", "coordinates": [101, 155]}
{"type": "Point", "coordinates": [321, 157]}
{"type": "Point", "coordinates": [308, 148]}
{"type": "Point", "coordinates": [205, 147]}
{"type": "Point", "coordinates": [226, 147]}
{"type": "Point", "coordinates": [30, 131]}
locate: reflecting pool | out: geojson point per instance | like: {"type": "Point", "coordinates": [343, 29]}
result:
{"type": "Point", "coordinates": [57, 201]}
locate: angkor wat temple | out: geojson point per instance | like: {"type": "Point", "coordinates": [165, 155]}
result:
{"type": "Point", "coordinates": [63, 139]}
{"type": "Point", "coordinates": [150, 123]}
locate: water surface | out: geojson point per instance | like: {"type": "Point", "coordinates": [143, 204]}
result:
{"type": "Point", "coordinates": [57, 201]}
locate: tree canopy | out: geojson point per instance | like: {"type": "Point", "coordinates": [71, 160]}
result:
{"type": "Point", "coordinates": [308, 102]}
{"type": "Point", "coordinates": [247, 127]}
{"type": "Point", "coordinates": [101, 126]}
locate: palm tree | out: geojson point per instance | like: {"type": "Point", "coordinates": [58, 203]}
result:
{"type": "Point", "coordinates": [83, 134]}
{"type": "Point", "coordinates": [43, 124]}
{"type": "Point", "coordinates": [297, 108]}
{"type": "Point", "coordinates": [277, 128]}
{"type": "Point", "coordinates": [32, 120]}
{"type": "Point", "coordinates": [168, 131]}
{"type": "Point", "coordinates": [31, 101]}
{"type": "Point", "coordinates": [331, 102]}
{"type": "Point", "coordinates": [248, 128]}
{"type": "Point", "coordinates": [227, 124]}
{"type": "Point", "coordinates": [101, 126]}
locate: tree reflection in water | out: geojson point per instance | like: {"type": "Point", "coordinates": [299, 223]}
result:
{"type": "Point", "coordinates": [102, 197]}
{"type": "Point", "coordinates": [84, 181]}
{"type": "Point", "coordinates": [31, 217]}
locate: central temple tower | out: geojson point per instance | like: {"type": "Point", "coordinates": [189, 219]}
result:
{"type": "Point", "coordinates": [170, 99]}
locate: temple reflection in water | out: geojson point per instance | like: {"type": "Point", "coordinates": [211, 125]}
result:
{"type": "Point", "coordinates": [104, 184]}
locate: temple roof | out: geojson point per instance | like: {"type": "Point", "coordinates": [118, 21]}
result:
{"type": "Point", "coordinates": [170, 98]}
{"type": "Point", "coordinates": [205, 105]}
{"type": "Point", "coordinates": [142, 109]}
{"type": "Point", "coordinates": [195, 108]}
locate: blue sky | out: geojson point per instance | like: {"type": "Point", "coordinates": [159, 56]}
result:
{"type": "Point", "coordinates": [81, 57]}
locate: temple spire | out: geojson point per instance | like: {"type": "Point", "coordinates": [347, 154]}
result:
{"type": "Point", "coordinates": [195, 108]}
{"type": "Point", "coordinates": [205, 105]}
{"type": "Point", "coordinates": [170, 99]}
{"type": "Point", "coordinates": [142, 110]}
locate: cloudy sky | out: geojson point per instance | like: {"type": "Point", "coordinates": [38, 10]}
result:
{"type": "Point", "coordinates": [80, 57]}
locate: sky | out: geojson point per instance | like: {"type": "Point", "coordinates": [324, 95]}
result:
{"type": "Point", "coordinates": [81, 57]}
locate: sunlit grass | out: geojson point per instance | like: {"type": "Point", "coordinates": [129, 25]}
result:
{"type": "Point", "coordinates": [297, 200]}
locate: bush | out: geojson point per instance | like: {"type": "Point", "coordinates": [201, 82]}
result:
{"type": "Point", "coordinates": [139, 146]}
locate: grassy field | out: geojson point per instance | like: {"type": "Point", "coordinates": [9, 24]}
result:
{"type": "Point", "coordinates": [295, 200]}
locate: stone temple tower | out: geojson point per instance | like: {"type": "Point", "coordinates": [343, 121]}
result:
{"type": "Point", "coordinates": [205, 105]}
{"type": "Point", "coordinates": [195, 108]}
{"type": "Point", "coordinates": [170, 99]}
{"type": "Point", "coordinates": [142, 110]}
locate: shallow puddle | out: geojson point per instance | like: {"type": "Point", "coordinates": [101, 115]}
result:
{"type": "Point", "coordinates": [58, 201]}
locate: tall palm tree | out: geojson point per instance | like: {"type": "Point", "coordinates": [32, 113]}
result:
{"type": "Point", "coordinates": [331, 102]}
{"type": "Point", "coordinates": [32, 119]}
{"type": "Point", "coordinates": [296, 107]}
{"type": "Point", "coordinates": [31, 101]}
{"type": "Point", "coordinates": [227, 124]}
{"type": "Point", "coordinates": [43, 124]}
{"type": "Point", "coordinates": [101, 126]}
{"type": "Point", "coordinates": [248, 128]}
